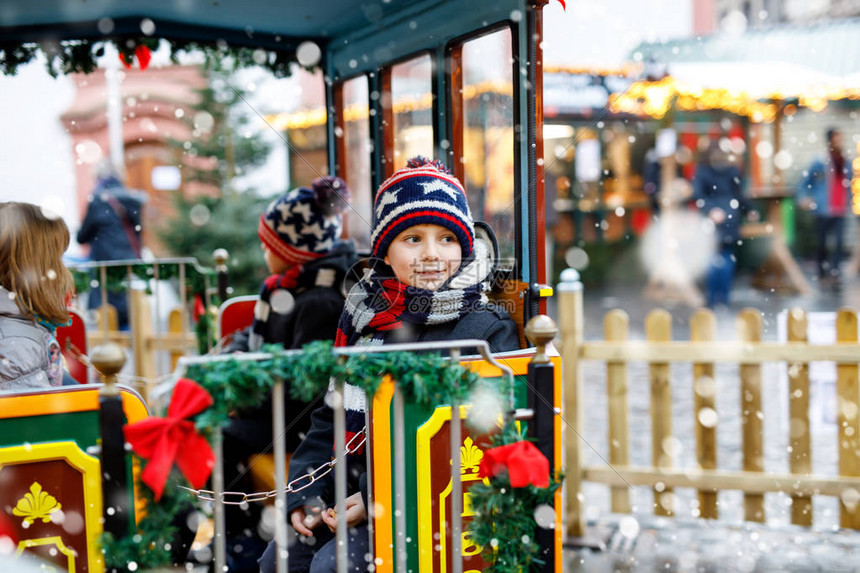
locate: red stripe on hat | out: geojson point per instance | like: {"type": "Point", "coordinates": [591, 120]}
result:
{"type": "Point", "coordinates": [286, 252]}
{"type": "Point", "coordinates": [410, 173]}
{"type": "Point", "coordinates": [438, 214]}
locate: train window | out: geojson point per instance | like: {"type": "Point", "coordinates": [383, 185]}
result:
{"type": "Point", "coordinates": [358, 148]}
{"type": "Point", "coordinates": [488, 134]}
{"type": "Point", "coordinates": [411, 95]}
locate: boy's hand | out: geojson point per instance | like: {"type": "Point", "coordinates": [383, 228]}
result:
{"type": "Point", "coordinates": [355, 513]}
{"type": "Point", "coordinates": [305, 519]}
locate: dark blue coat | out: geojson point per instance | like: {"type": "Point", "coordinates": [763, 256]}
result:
{"type": "Point", "coordinates": [720, 188]}
{"type": "Point", "coordinates": [103, 228]}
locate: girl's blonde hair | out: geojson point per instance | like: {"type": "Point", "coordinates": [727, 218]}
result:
{"type": "Point", "coordinates": [32, 243]}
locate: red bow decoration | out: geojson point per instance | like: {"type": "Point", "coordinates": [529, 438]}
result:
{"type": "Point", "coordinates": [164, 441]}
{"type": "Point", "coordinates": [524, 463]}
{"type": "Point", "coordinates": [563, 7]}
{"type": "Point", "coordinates": [143, 54]}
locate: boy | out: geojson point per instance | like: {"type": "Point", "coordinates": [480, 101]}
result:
{"type": "Point", "coordinates": [301, 301]}
{"type": "Point", "coordinates": [429, 284]}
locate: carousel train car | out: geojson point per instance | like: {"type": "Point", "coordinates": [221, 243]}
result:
{"type": "Point", "coordinates": [375, 56]}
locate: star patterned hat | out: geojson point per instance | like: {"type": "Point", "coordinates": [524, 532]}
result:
{"type": "Point", "coordinates": [304, 224]}
{"type": "Point", "coordinates": [424, 192]}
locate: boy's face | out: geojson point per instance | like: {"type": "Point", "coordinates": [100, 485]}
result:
{"type": "Point", "coordinates": [424, 256]}
{"type": "Point", "coordinates": [275, 264]}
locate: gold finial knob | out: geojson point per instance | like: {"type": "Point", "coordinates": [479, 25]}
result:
{"type": "Point", "coordinates": [541, 330]}
{"type": "Point", "coordinates": [108, 359]}
{"type": "Point", "coordinates": [220, 256]}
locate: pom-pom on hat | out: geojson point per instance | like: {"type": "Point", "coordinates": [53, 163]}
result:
{"type": "Point", "coordinates": [424, 192]}
{"type": "Point", "coordinates": [304, 224]}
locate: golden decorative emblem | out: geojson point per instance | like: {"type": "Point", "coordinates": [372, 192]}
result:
{"type": "Point", "coordinates": [470, 457]}
{"type": "Point", "coordinates": [35, 505]}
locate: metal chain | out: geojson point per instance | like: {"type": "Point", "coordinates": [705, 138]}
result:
{"type": "Point", "coordinates": [296, 485]}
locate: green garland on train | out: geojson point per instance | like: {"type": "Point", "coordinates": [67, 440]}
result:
{"type": "Point", "coordinates": [502, 512]}
{"type": "Point", "coordinates": [238, 384]}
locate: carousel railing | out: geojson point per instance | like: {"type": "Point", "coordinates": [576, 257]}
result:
{"type": "Point", "coordinates": [544, 429]}
{"type": "Point", "coordinates": [154, 348]}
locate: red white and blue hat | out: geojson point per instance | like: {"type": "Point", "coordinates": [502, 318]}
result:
{"type": "Point", "coordinates": [305, 224]}
{"type": "Point", "coordinates": [424, 192]}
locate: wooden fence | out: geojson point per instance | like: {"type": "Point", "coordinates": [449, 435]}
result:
{"type": "Point", "coordinates": [702, 351]}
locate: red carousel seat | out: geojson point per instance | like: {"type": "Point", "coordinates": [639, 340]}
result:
{"type": "Point", "coordinates": [236, 313]}
{"type": "Point", "coordinates": [73, 340]}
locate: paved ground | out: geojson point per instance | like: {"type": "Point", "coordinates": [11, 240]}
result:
{"type": "Point", "coordinates": [659, 545]}
{"type": "Point", "coordinates": [641, 542]}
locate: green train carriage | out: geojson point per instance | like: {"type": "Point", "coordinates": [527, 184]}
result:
{"type": "Point", "coordinates": [364, 44]}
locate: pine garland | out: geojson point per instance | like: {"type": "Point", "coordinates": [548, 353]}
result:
{"type": "Point", "coordinates": [151, 545]}
{"type": "Point", "coordinates": [426, 379]}
{"type": "Point", "coordinates": [81, 56]}
{"type": "Point", "coordinates": [504, 523]}
{"type": "Point", "coordinates": [237, 384]}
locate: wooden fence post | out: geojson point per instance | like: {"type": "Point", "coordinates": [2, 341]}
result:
{"type": "Point", "coordinates": [616, 329]}
{"type": "Point", "coordinates": [703, 328]}
{"type": "Point", "coordinates": [752, 415]}
{"type": "Point", "coordinates": [800, 455]}
{"type": "Point", "coordinates": [658, 328]}
{"type": "Point", "coordinates": [570, 319]}
{"type": "Point", "coordinates": [847, 415]}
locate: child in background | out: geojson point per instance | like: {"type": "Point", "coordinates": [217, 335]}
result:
{"type": "Point", "coordinates": [301, 301]}
{"type": "Point", "coordinates": [34, 288]}
{"type": "Point", "coordinates": [430, 284]}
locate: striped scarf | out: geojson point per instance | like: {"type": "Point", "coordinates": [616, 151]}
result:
{"type": "Point", "coordinates": [285, 281]}
{"type": "Point", "coordinates": [378, 304]}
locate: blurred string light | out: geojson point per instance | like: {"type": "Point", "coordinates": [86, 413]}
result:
{"type": "Point", "coordinates": [314, 117]}
{"type": "Point", "coordinates": [643, 98]}
{"type": "Point", "coordinates": [656, 98]}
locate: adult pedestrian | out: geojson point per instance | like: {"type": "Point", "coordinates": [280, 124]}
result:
{"type": "Point", "coordinates": [825, 190]}
{"type": "Point", "coordinates": [112, 228]}
{"type": "Point", "coordinates": [718, 192]}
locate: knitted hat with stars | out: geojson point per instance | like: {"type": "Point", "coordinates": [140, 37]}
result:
{"type": "Point", "coordinates": [422, 193]}
{"type": "Point", "coordinates": [304, 224]}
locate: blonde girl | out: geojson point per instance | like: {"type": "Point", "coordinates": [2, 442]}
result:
{"type": "Point", "coordinates": [34, 288]}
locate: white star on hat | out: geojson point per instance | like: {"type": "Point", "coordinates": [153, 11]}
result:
{"type": "Point", "coordinates": [304, 209]}
{"type": "Point", "coordinates": [317, 231]}
{"type": "Point", "coordinates": [289, 230]}
{"type": "Point", "coordinates": [387, 198]}
{"type": "Point", "coordinates": [330, 221]}
{"type": "Point", "coordinates": [284, 209]}
{"type": "Point", "coordinates": [439, 185]}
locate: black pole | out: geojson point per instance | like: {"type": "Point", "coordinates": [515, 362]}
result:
{"type": "Point", "coordinates": [541, 330]}
{"type": "Point", "coordinates": [109, 360]}
{"type": "Point", "coordinates": [113, 465]}
{"type": "Point", "coordinates": [541, 431]}
{"type": "Point", "coordinates": [221, 256]}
